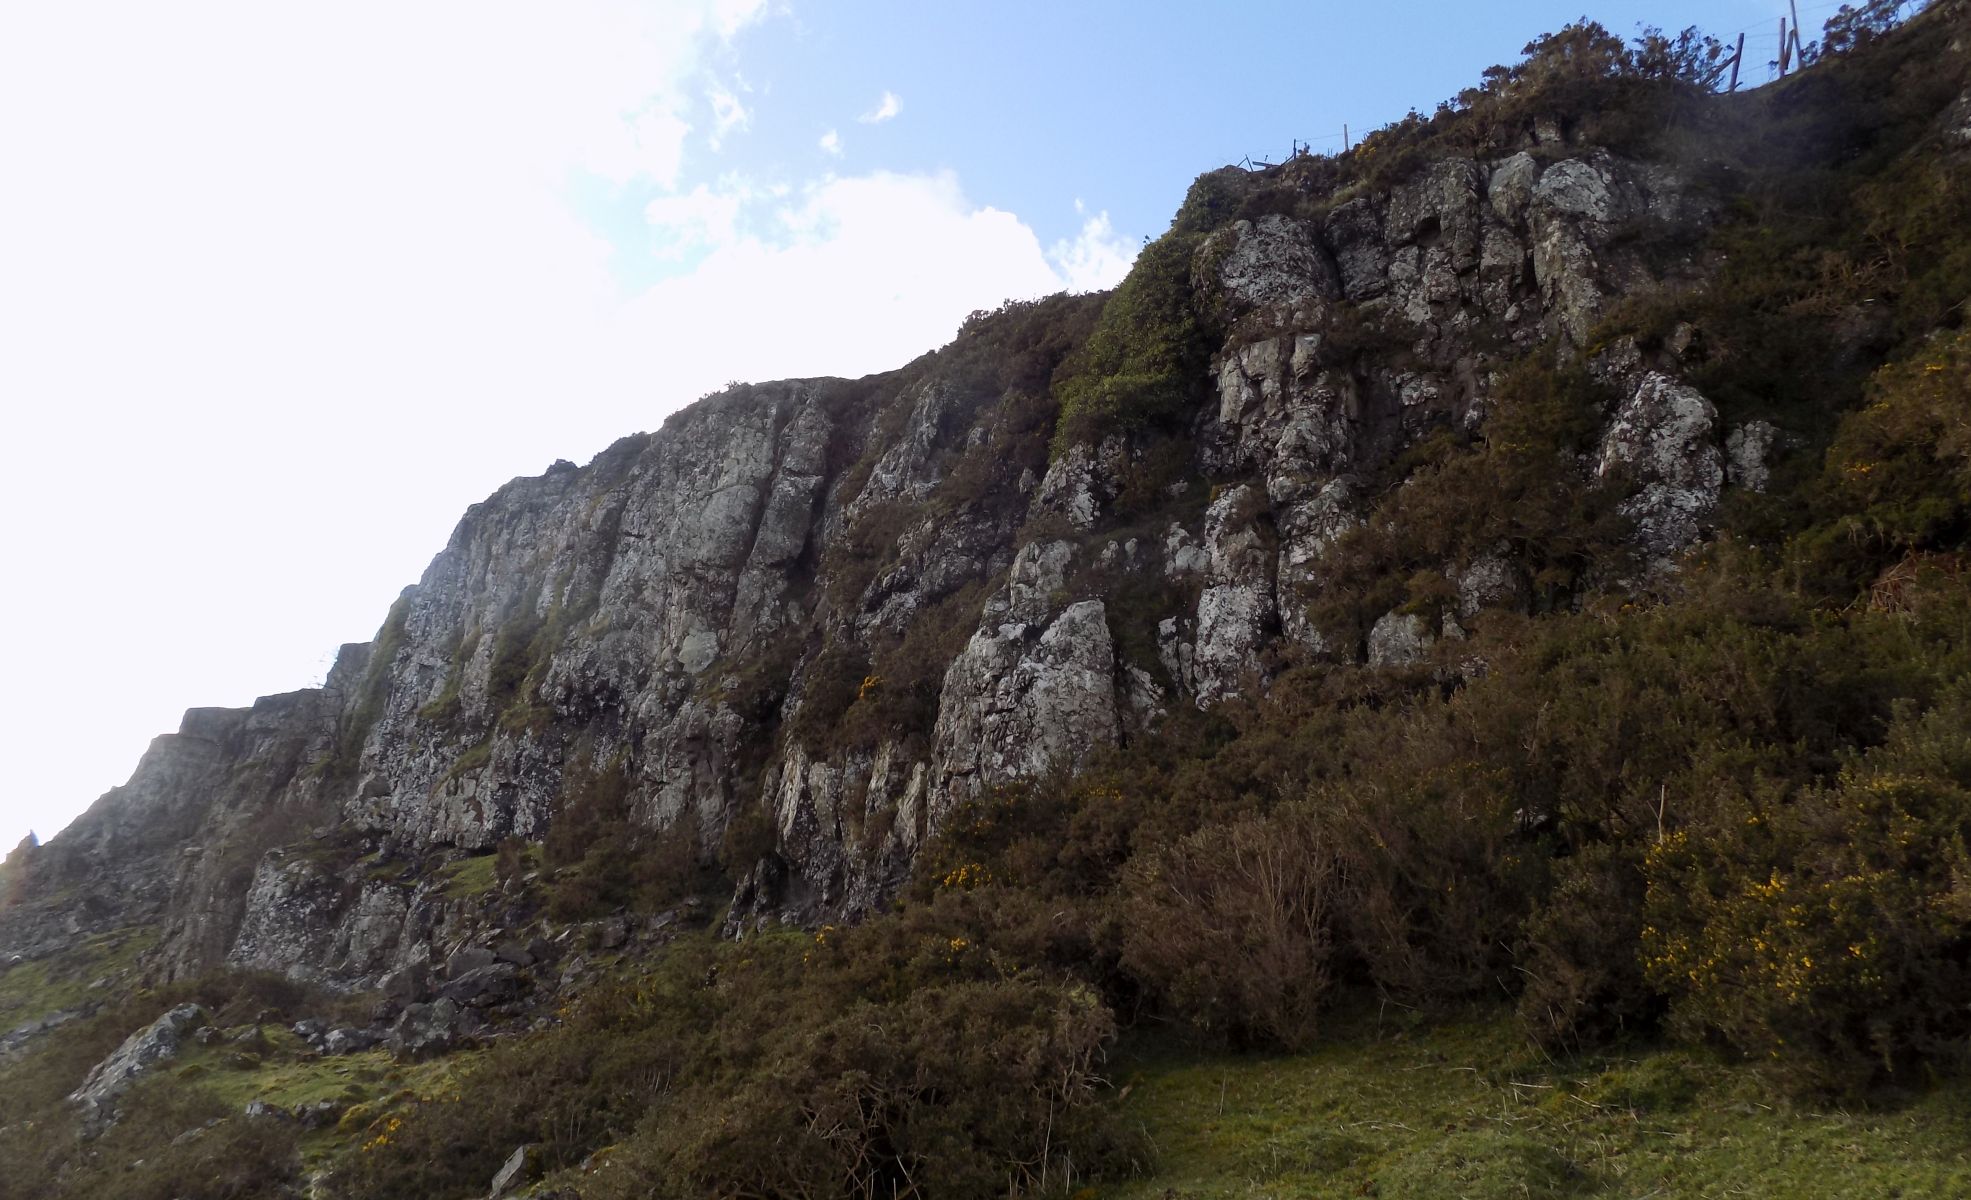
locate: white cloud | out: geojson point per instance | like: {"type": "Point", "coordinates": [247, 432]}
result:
{"type": "Point", "coordinates": [854, 275]}
{"type": "Point", "coordinates": [889, 106]}
{"type": "Point", "coordinates": [728, 113]}
{"type": "Point", "coordinates": [730, 16]}
{"type": "Point", "coordinates": [832, 143]}
{"type": "Point", "coordinates": [657, 140]}
{"type": "Point", "coordinates": [1096, 258]}
{"type": "Point", "coordinates": [683, 222]}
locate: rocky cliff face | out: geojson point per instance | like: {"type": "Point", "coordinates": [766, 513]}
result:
{"type": "Point", "coordinates": [846, 607]}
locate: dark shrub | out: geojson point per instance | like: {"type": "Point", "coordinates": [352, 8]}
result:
{"type": "Point", "coordinates": [1232, 928]}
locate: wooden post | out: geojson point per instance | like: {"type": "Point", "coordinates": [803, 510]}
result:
{"type": "Point", "coordinates": [1799, 54]}
{"type": "Point", "coordinates": [1785, 48]}
{"type": "Point", "coordinates": [1737, 57]}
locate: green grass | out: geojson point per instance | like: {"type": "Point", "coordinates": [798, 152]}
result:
{"type": "Point", "coordinates": [279, 1076]}
{"type": "Point", "coordinates": [376, 868]}
{"type": "Point", "coordinates": [469, 877]}
{"type": "Point", "coordinates": [475, 757]}
{"type": "Point", "coordinates": [288, 1077]}
{"type": "Point", "coordinates": [284, 1073]}
{"type": "Point", "coordinates": [34, 990]}
{"type": "Point", "coordinates": [1468, 1109]}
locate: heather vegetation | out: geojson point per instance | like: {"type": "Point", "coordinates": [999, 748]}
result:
{"type": "Point", "coordinates": [600, 859]}
{"type": "Point", "coordinates": [1516, 491]}
{"type": "Point", "coordinates": [793, 1065]}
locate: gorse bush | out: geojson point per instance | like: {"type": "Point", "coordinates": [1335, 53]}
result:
{"type": "Point", "coordinates": [1144, 363]}
{"type": "Point", "coordinates": [1855, 27]}
{"type": "Point", "coordinates": [567, 1093]}
{"type": "Point", "coordinates": [1512, 834]}
{"type": "Point", "coordinates": [967, 1089]}
{"type": "Point", "coordinates": [1829, 929]}
{"type": "Point", "coordinates": [1901, 466]}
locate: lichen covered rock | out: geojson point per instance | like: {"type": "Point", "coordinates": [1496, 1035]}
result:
{"type": "Point", "coordinates": [1663, 441]}
{"type": "Point", "coordinates": [141, 1052]}
{"type": "Point", "coordinates": [1022, 699]}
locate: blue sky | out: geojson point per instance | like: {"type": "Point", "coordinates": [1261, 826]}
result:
{"type": "Point", "coordinates": [1118, 105]}
{"type": "Point", "coordinates": [284, 288]}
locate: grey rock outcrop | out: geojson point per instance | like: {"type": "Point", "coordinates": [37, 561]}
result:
{"type": "Point", "coordinates": [406, 985]}
{"type": "Point", "coordinates": [1275, 268]}
{"type": "Point", "coordinates": [1664, 437]}
{"type": "Point", "coordinates": [1488, 581]}
{"type": "Point", "coordinates": [519, 1167]}
{"type": "Point", "coordinates": [425, 1029]}
{"type": "Point", "coordinates": [467, 959]}
{"type": "Point", "coordinates": [1080, 482]}
{"type": "Point", "coordinates": [347, 1040]}
{"type": "Point", "coordinates": [1398, 640]}
{"type": "Point", "coordinates": [483, 987]}
{"type": "Point", "coordinates": [1572, 208]}
{"type": "Point", "coordinates": [1024, 698]}
{"type": "Point", "coordinates": [21, 1036]}
{"type": "Point", "coordinates": [846, 827]}
{"type": "Point", "coordinates": [141, 1052]}
{"type": "Point", "coordinates": [1748, 455]}
{"type": "Point", "coordinates": [1957, 122]}
{"type": "Point", "coordinates": [1308, 526]}
{"type": "Point", "coordinates": [1235, 612]}
{"type": "Point", "coordinates": [1354, 230]}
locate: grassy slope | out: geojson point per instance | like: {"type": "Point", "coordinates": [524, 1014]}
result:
{"type": "Point", "coordinates": [34, 990]}
{"type": "Point", "coordinates": [284, 1074]}
{"type": "Point", "coordinates": [1399, 1108]}
{"type": "Point", "coordinates": [1465, 1108]}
